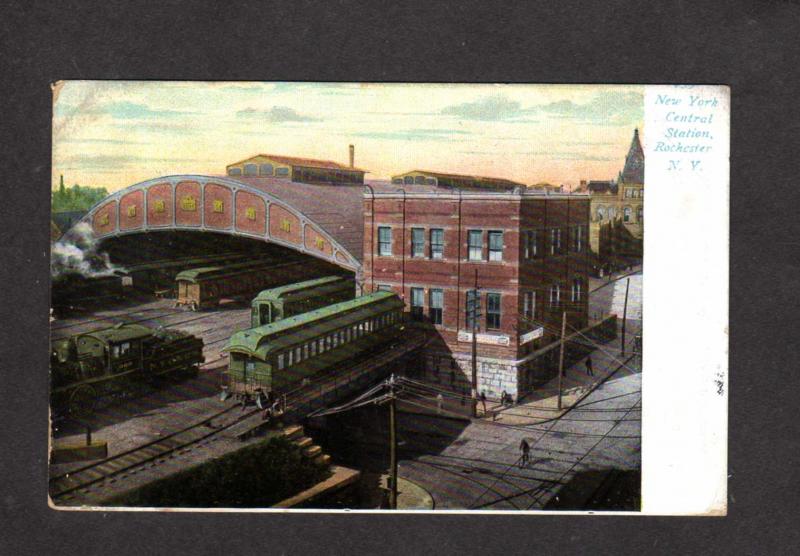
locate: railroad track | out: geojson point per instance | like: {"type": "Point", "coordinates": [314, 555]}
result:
{"type": "Point", "coordinates": [66, 487]}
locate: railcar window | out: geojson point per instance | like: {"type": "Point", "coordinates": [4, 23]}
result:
{"type": "Point", "coordinates": [290, 355]}
{"type": "Point", "coordinates": [298, 355]}
{"type": "Point", "coordinates": [280, 361]}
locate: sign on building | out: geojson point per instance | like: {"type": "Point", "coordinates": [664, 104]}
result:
{"type": "Point", "coordinates": [491, 339]}
{"type": "Point", "coordinates": [532, 335]}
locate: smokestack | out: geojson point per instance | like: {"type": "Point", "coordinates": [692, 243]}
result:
{"type": "Point", "coordinates": [352, 156]}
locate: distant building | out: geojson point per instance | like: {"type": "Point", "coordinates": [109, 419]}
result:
{"type": "Point", "coordinates": [529, 250]}
{"type": "Point", "coordinates": [454, 181]}
{"type": "Point", "coordinates": [618, 208]}
{"type": "Point", "coordinates": [305, 170]}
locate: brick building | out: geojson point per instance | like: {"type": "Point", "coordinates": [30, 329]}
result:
{"type": "Point", "coordinates": [529, 249]}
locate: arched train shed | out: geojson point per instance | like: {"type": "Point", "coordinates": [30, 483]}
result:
{"type": "Point", "coordinates": [324, 221]}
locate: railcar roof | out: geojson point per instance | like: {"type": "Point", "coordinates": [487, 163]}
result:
{"type": "Point", "coordinates": [121, 333]}
{"type": "Point", "coordinates": [275, 293]}
{"type": "Point", "coordinates": [262, 340]}
{"type": "Point", "coordinates": [206, 272]}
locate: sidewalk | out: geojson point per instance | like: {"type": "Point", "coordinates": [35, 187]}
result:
{"type": "Point", "coordinates": [597, 283]}
{"type": "Point", "coordinates": [542, 405]}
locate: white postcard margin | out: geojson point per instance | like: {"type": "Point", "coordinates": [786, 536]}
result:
{"type": "Point", "coordinates": [685, 300]}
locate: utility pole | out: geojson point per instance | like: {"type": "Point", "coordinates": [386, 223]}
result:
{"type": "Point", "coordinates": [393, 447]}
{"type": "Point", "coordinates": [561, 356]}
{"type": "Point", "coordinates": [625, 315]}
{"type": "Point", "coordinates": [474, 312]}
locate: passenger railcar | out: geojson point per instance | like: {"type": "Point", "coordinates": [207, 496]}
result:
{"type": "Point", "coordinates": [286, 301]}
{"type": "Point", "coordinates": [273, 357]}
{"type": "Point", "coordinates": [93, 365]}
{"type": "Point", "coordinates": [203, 287]}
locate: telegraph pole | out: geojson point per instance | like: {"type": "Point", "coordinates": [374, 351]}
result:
{"type": "Point", "coordinates": [475, 314]}
{"type": "Point", "coordinates": [393, 447]}
{"type": "Point", "coordinates": [625, 315]}
{"type": "Point", "coordinates": [561, 356]}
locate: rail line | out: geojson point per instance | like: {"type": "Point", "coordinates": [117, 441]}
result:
{"type": "Point", "coordinates": [63, 487]}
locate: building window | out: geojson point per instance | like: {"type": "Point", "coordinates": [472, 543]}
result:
{"type": "Point", "coordinates": [601, 213]}
{"type": "Point", "coordinates": [436, 306]}
{"type": "Point", "coordinates": [397, 181]}
{"type": "Point", "coordinates": [384, 241]}
{"type": "Point", "coordinates": [492, 311]}
{"type": "Point", "coordinates": [472, 308]}
{"type": "Point", "coordinates": [265, 170]}
{"type": "Point", "coordinates": [437, 243]}
{"type": "Point", "coordinates": [641, 193]}
{"type": "Point", "coordinates": [384, 288]}
{"type": "Point", "coordinates": [234, 171]}
{"type": "Point", "coordinates": [250, 170]}
{"type": "Point", "coordinates": [578, 239]}
{"type": "Point", "coordinates": [577, 290]}
{"type": "Point", "coordinates": [417, 302]}
{"type": "Point", "coordinates": [555, 295]}
{"type": "Point", "coordinates": [529, 305]}
{"type": "Point", "coordinates": [531, 244]}
{"type": "Point", "coordinates": [408, 180]}
{"type": "Point", "coordinates": [281, 172]}
{"type": "Point", "coordinates": [419, 180]}
{"type": "Point", "coordinates": [640, 214]}
{"type": "Point", "coordinates": [475, 242]}
{"type": "Point", "coordinates": [555, 241]}
{"type": "Point", "coordinates": [627, 214]}
{"type": "Point", "coordinates": [495, 246]}
{"type": "Point", "coordinates": [417, 242]}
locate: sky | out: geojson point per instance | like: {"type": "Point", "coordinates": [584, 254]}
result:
{"type": "Point", "coordinates": [114, 134]}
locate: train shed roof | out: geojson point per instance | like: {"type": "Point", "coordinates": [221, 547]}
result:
{"type": "Point", "coordinates": [338, 209]}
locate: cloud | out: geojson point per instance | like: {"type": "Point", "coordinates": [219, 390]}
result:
{"type": "Point", "coordinates": [413, 134]}
{"type": "Point", "coordinates": [609, 108]}
{"type": "Point", "coordinates": [125, 110]}
{"type": "Point", "coordinates": [277, 114]}
{"type": "Point", "coordinates": [493, 108]}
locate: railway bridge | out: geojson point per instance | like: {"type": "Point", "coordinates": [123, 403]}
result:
{"type": "Point", "coordinates": [323, 221]}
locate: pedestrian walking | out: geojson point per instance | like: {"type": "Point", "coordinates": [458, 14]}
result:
{"type": "Point", "coordinates": [525, 448]}
{"type": "Point", "coordinates": [483, 401]}
{"type": "Point", "coordinates": [589, 370]}
{"type": "Point", "coordinates": [439, 403]}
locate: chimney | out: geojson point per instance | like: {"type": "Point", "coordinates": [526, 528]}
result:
{"type": "Point", "coordinates": [352, 156]}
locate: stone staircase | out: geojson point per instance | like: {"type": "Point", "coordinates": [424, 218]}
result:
{"type": "Point", "coordinates": [310, 451]}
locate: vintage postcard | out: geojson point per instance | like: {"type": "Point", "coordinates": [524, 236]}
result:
{"type": "Point", "coordinates": [389, 297]}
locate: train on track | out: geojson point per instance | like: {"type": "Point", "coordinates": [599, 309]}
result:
{"type": "Point", "coordinates": [204, 287]}
{"type": "Point", "coordinates": [115, 362]}
{"type": "Point", "coordinates": [274, 357]}
{"type": "Point", "coordinates": [287, 301]}
{"type": "Point", "coordinates": [74, 292]}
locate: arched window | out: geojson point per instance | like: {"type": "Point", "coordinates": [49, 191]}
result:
{"type": "Point", "coordinates": [612, 213]}
{"type": "Point", "coordinates": [640, 214]}
{"type": "Point", "coordinates": [234, 171]}
{"type": "Point", "coordinates": [250, 170]}
{"type": "Point", "coordinates": [419, 180]}
{"type": "Point", "coordinates": [601, 213]}
{"type": "Point", "coordinates": [627, 214]}
{"type": "Point", "coordinates": [397, 181]}
{"type": "Point", "coordinates": [408, 180]}
{"type": "Point", "coordinates": [265, 170]}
